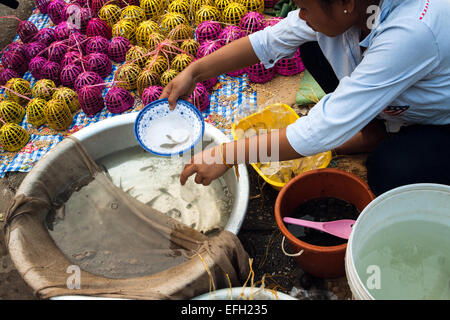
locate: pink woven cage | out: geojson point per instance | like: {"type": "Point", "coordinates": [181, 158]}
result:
{"type": "Point", "coordinates": [97, 44]}
{"type": "Point", "coordinates": [200, 97]}
{"type": "Point", "coordinates": [14, 57]}
{"type": "Point", "coordinates": [84, 18]}
{"type": "Point", "coordinates": [42, 5]}
{"type": "Point", "coordinates": [72, 57]}
{"type": "Point", "coordinates": [7, 74]}
{"type": "Point", "coordinates": [81, 3]}
{"type": "Point", "coordinates": [34, 48]}
{"type": "Point", "coordinates": [270, 3]}
{"type": "Point", "coordinates": [77, 41]}
{"type": "Point", "coordinates": [91, 100]}
{"type": "Point", "coordinates": [97, 27]}
{"type": "Point", "coordinates": [46, 36]}
{"type": "Point", "coordinates": [26, 31]}
{"type": "Point", "coordinates": [290, 66]}
{"type": "Point", "coordinates": [99, 63]}
{"type": "Point", "coordinates": [272, 21]}
{"type": "Point", "coordinates": [208, 47]}
{"type": "Point", "coordinates": [118, 48]}
{"type": "Point", "coordinates": [36, 64]}
{"type": "Point", "coordinates": [258, 74]}
{"type": "Point", "coordinates": [64, 29]}
{"type": "Point", "coordinates": [69, 74]}
{"type": "Point", "coordinates": [210, 83]}
{"type": "Point", "coordinates": [96, 5]}
{"type": "Point", "coordinates": [118, 100]}
{"type": "Point", "coordinates": [231, 33]}
{"type": "Point", "coordinates": [56, 51]}
{"type": "Point", "coordinates": [208, 30]}
{"type": "Point", "coordinates": [151, 94]}
{"type": "Point", "coordinates": [88, 78]}
{"type": "Point", "coordinates": [251, 22]}
{"type": "Point", "coordinates": [51, 70]}
{"type": "Point", "coordinates": [124, 3]}
{"type": "Point", "coordinates": [57, 11]}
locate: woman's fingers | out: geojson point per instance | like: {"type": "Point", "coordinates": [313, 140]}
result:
{"type": "Point", "coordinates": [188, 171]}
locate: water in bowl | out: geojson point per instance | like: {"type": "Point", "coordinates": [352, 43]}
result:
{"type": "Point", "coordinates": [407, 260]}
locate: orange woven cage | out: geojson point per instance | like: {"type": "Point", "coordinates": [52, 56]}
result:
{"type": "Point", "coordinates": [133, 13]}
{"type": "Point", "coordinates": [180, 6]}
{"type": "Point", "coordinates": [125, 28]}
{"type": "Point", "coordinates": [207, 12]}
{"type": "Point", "coordinates": [35, 111]}
{"type": "Point", "coordinates": [13, 137]}
{"type": "Point", "coordinates": [146, 79]}
{"type": "Point", "coordinates": [154, 40]}
{"type": "Point", "coordinates": [190, 46]}
{"type": "Point", "coordinates": [144, 31]}
{"type": "Point", "coordinates": [152, 8]}
{"type": "Point", "coordinates": [11, 111]}
{"type": "Point", "coordinates": [253, 5]}
{"type": "Point", "coordinates": [233, 13]}
{"type": "Point", "coordinates": [170, 20]}
{"type": "Point", "coordinates": [168, 76]}
{"type": "Point", "coordinates": [181, 32]}
{"type": "Point", "coordinates": [43, 89]}
{"type": "Point", "coordinates": [138, 55]}
{"type": "Point", "coordinates": [180, 62]}
{"type": "Point", "coordinates": [19, 85]}
{"type": "Point", "coordinates": [110, 13]}
{"type": "Point", "coordinates": [126, 76]}
{"type": "Point", "coordinates": [69, 97]}
{"type": "Point", "coordinates": [222, 4]}
{"type": "Point", "coordinates": [58, 115]}
{"type": "Point", "coordinates": [158, 64]}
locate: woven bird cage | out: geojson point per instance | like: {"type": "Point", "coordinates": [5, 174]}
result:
{"type": "Point", "coordinates": [118, 100]}
{"type": "Point", "coordinates": [290, 66]}
{"type": "Point", "coordinates": [11, 112]}
{"type": "Point", "coordinates": [96, 5]}
{"type": "Point", "coordinates": [210, 83]}
{"type": "Point", "coordinates": [51, 70]}
{"type": "Point", "coordinates": [69, 74]}
{"type": "Point", "coordinates": [126, 76]}
{"type": "Point", "coordinates": [270, 3]}
{"type": "Point", "coordinates": [133, 13]}
{"type": "Point", "coordinates": [99, 63]}
{"type": "Point", "coordinates": [233, 13]}
{"type": "Point", "coordinates": [57, 11]}
{"type": "Point", "coordinates": [46, 36]}
{"type": "Point", "coordinates": [35, 111]}
{"type": "Point", "coordinates": [257, 73]}
{"type": "Point", "coordinates": [195, 5]}
{"type": "Point", "coordinates": [64, 29]}
{"type": "Point", "coordinates": [152, 8]}
{"type": "Point", "coordinates": [190, 46]}
{"type": "Point", "coordinates": [208, 47]}
{"type": "Point", "coordinates": [36, 64]}
{"type": "Point", "coordinates": [170, 20]}
{"type": "Point", "coordinates": [180, 6]}
{"type": "Point", "coordinates": [146, 79]}
{"type": "Point", "coordinates": [272, 21]}
{"type": "Point", "coordinates": [88, 78]}
{"type": "Point", "coordinates": [151, 94]}
{"type": "Point", "coordinates": [181, 32]}
{"type": "Point", "coordinates": [19, 86]}
{"type": "Point", "coordinates": [13, 137]}
{"type": "Point", "coordinates": [26, 30]}
{"type": "Point", "coordinates": [125, 28]}
{"type": "Point", "coordinates": [72, 57]}
{"type": "Point", "coordinates": [252, 22]}
{"type": "Point", "coordinates": [35, 48]}
{"type": "Point", "coordinates": [154, 40]}
{"type": "Point", "coordinates": [168, 76]}
{"type": "Point", "coordinates": [180, 62]}
{"type": "Point", "coordinates": [208, 30]}
{"type": "Point", "coordinates": [207, 12]}
{"type": "Point", "coordinates": [58, 115]}
{"type": "Point", "coordinates": [144, 32]}
{"type": "Point", "coordinates": [97, 44]}
{"type": "Point", "coordinates": [110, 13]}
{"type": "Point", "coordinates": [84, 17]}
{"type": "Point", "coordinates": [168, 48]}
{"type": "Point", "coordinates": [230, 34]}
{"type": "Point", "coordinates": [200, 97]}
{"type": "Point", "coordinates": [91, 100]}
{"type": "Point", "coordinates": [43, 89]}
{"type": "Point", "coordinates": [56, 51]}
{"type": "Point", "coordinates": [42, 5]}
{"type": "Point", "coordinates": [69, 97]}
{"type": "Point", "coordinates": [97, 27]}
{"type": "Point", "coordinates": [77, 41]}
{"type": "Point", "coordinates": [158, 64]}
{"type": "Point", "coordinates": [124, 3]}
{"type": "Point", "coordinates": [138, 55]}
{"type": "Point", "coordinates": [118, 48]}
{"type": "Point", "coordinates": [7, 74]}
{"type": "Point", "coordinates": [253, 5]}
{"type": "Point", "coordinates": [222, 4]}
{"type": "Point", "coordinates": [15, 57]}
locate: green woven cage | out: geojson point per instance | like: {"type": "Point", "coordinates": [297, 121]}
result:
{"type": "Point", "coordinates": [58, 115]}
{"type": "Point", "coordinates": [126, 76]}
{"type": "Point", "coordinates": [43, 89]}
{"type": "Point", "coordinates": [11, 111]}
{"type": "Point", "coordinates": [13, 137]}
{"type": "Point", "coordinates": [146, 79]}
{"type": "Point", "coordinates": [69, 97]}
{"type": "Point", "coordinates": [35, 111]}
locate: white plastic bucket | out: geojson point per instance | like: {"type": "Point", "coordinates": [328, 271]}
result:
{"type": "Point", "coordinates": [241, 293]}
{"type": "Point", "coordinates": [424, 201]}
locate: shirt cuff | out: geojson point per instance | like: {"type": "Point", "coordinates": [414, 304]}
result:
{"type": "Point", "coordinates": [300, 138]}
{"type": "Point", "coordinates": [255, 41]}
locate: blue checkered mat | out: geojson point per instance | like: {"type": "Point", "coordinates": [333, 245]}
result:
{"type": "Point", "coordinates": [231, 99]}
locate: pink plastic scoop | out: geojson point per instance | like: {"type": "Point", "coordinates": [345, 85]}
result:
{"type": "Point", "coordinates": [338, 228]}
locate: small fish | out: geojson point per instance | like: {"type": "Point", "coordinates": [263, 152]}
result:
{"type": "Point", "coordinates": [151, 202]}
{"type": "Point", "coordinates": [164, 191]}
{"type": "Point", "coordinates": [174, 213]}
{"type": "Point", "coordinates": [175, 143]}
{"type": "Point", "coordinates": [151, 167]}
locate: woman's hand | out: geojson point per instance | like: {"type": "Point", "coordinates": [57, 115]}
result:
{"type": "Point", "coordinates": [181, 86]}
{"type": "Point", "coordinates": [207, 164]}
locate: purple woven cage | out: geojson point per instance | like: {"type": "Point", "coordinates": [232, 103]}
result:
{"type": "Point", "coordinates": [84, 18]}
{"type": "Point", "coordinates": [51, 70]}
{"type": "Point", "coordinates": [96, 5]}
{"type": "Point", "coordinates": [42, 5]}
{"type": "Point", "coordinates": [56, 51]}
{"type": "Point", "coordinates": [118, 100]}
{"type": "Point", "coordinates": [117, 49]}
{"type": "Point", "coordinates": [72, 57]}
{"type": "Point", "coordinates": [99, 63]}
{"type": "Point", "coordinates": [6, 74]}
{"type": "Point", "coordinates": [251, 22]}
{"type": "Point", "coordinates": [151, 94]}
{"type": "Point", "coordinates": [200, 97]}
{"type": "Point", "coordinates": [124, 3]}
{"type": "Point", "coordinates": [34, 48]}
{"type": "Point", "coordinates": [14, 57]}
{"type": "Point", "coordinates": [231, 33]}
{"type": "Point", "coordinates": [236, 73]}
{"type": "Point", "coordinates": [36, 64]}
{"type": "Point", "coordinates": [64, 29]}
{"type": "Point", "coordinates": [45, 36]}
{"type": "Point", "coordinates": [97, 44]}
{"type": "Point", "coordinates": [208, 47]}
{"type": "Point", "coordinates": [77, 41]}
{"type": "Point", "coordinates": [88, 78]}
{"type": "Point", "coordinates": [272, 21]}
{"type": "Point", "coordinates": [270, 3]}
{"type": "Point", "coordinates": [258, 74]}
{"type": "Point", "coordinates": [81, 3]}
{"type": "Point", "coordinates": [210, 83]}
{"type": "Point", "coordinates": [26, 31]}
{"type": "Point", "coordinates": [69, 74]}
{"type": "Point", "coordinates": [91, 100]}
{"type": "Point", "coordinates": [57, 11]}
{"type": "Point", "coordinates": [208, 30]}
{"type": "Point", "coordinates": [97, 27]}
{"type": "Point", "coordinates": [290, 66]}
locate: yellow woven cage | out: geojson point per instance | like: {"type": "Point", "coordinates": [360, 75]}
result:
{"type": "Point", "coordinates": [181, 32]}
{"type": "Point", "coordinates": [58, 115]}
{"type": "Point", "coordinates": [110, 13]}
{"type": "Point", "coordinates": [158, 64]}
{"type": "Point", "coordinates": [35, 111]}
{"type": "Point", "coordinates": [69, 97]}
{"type": "Point", "coordinates": [43, 89]}
{"type": "Point", "coordinates": [154, 40]}
{"type": "Point", "coordinates": [180, 62]}
{"type": "Point", "coordinates": [196, 4]}
{"type": "Point", "coordinates": [13, 137]}
{"type": "Point", "coordinates": [153, 8]}
{"type": "Point", "coordinates": [138, 55]}
{"type": "Point", "coordinates": [144, 31]}
{"type": "Point", "coordinates": [20, 86]}
{"type": "Point", "coordinates": [233, 13]}
{"type": "Point", "coordinates": [168, 76]}
{"type": "Point", "coordinates": [222, 4]}
{"type": "Point", "coordinates": [207, 12]}
{"type": "Point", "coordinates": [180, 6]}
{"type": "Point", "coordinates": [126, 76]}
{"type": "Point", "coordinates": [190, 46]}
{"type": "Point", "coordinates": [134, 13]}
{"type": "Point", "coordinates": [11, 111]}
{"type": "Point", "coordinates": [253, 5]}
{"type": "Point", "coordinates": [125, 28]}
{"type": "Point", "coordinates": [168, 48]}
{"type": "Point", "coordinates": [170, 20]}
{"type": "Point", "coordinates": [146, 79]}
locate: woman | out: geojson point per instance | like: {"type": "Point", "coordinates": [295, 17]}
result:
{"type": "Point", "coordinates": [392, 59]}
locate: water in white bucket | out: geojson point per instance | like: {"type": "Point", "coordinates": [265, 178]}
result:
{"type": "Point", "coordinates": [412, 259]}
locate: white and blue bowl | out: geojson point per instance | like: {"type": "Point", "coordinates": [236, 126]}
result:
{"type": "Point", "coordinates": [158, 110]}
